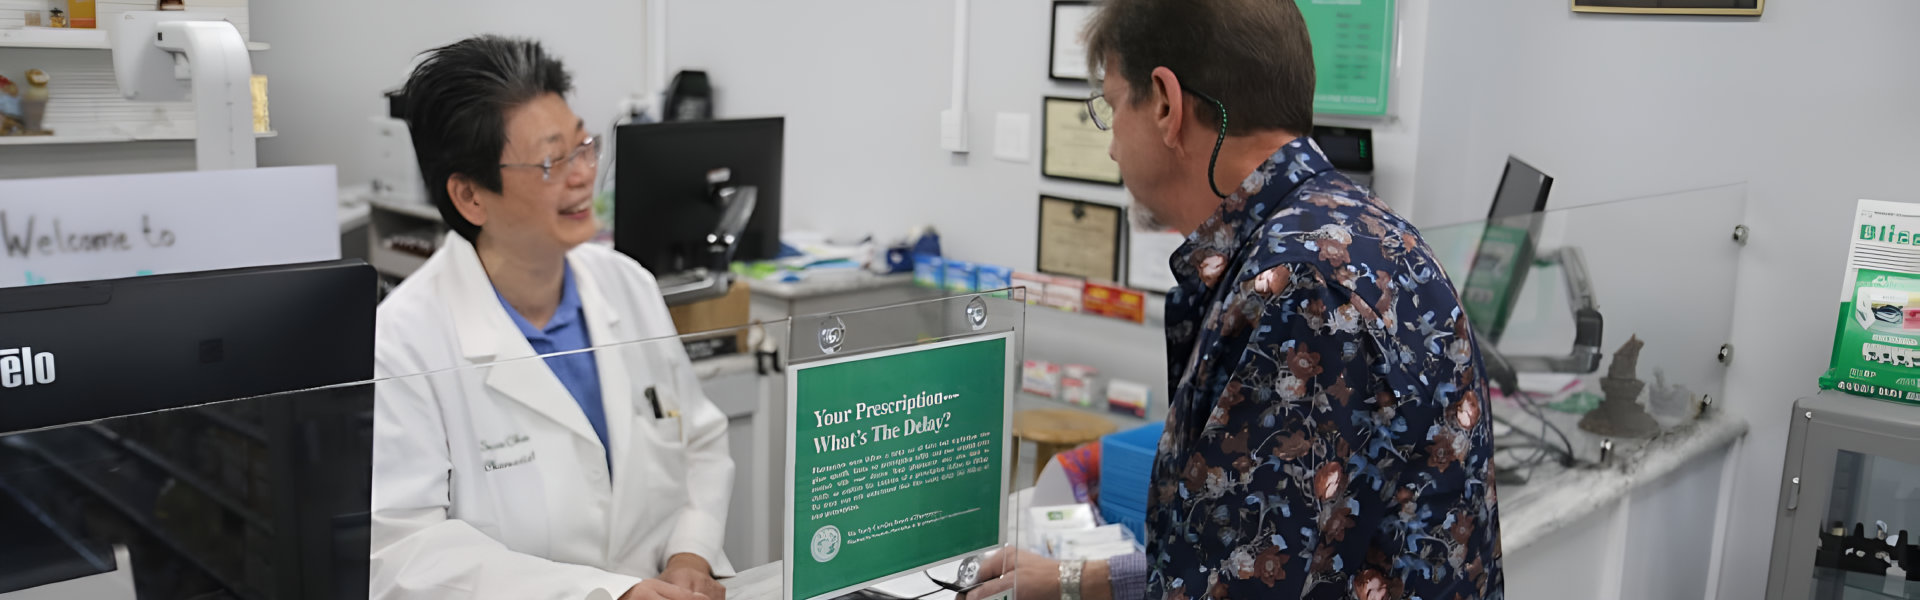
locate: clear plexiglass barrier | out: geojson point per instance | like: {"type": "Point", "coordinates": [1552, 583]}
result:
{"type": "Point", "coordinates": [1603, 326]}
{"type": "Point", "coordinates": [899, 448]}
{"type": "Point", "coordinates": [489, 481]}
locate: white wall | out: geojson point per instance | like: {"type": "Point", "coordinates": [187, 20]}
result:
{"type": "Point", "coordinates": [1809, 104]}
{"type": "Point", "coordinates": [862, 84]}
{"type": "Point", "coordinates": [332, 61]}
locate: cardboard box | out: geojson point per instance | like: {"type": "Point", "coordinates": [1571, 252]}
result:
{"type": "Point", "coordinates": [1035, 283]}
{"type": "Point", "coordinates": [988, 278]}
{"type": "Point", "coordinates": [1065, 293]}
{"type": "Point", "coordinates": [726, 315]}
{"type": "Point", "coordinates": [1117, 302]}
{"type": "Point", "coordinates": [929, 271]}
{"type": "Point", "coordinates": [961, 277]}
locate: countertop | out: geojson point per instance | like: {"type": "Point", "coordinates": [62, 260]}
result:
{"type": "Point", "coordinates": [1549, 503]}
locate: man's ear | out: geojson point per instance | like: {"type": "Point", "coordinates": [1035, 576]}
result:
{"type": "Point", "coordinates": [1169, 106]}
{"type": "Point", "coordinates": [466, 199]}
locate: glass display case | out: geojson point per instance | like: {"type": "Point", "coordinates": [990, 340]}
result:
{"type": "Point", "coordinates": [1849, 502]}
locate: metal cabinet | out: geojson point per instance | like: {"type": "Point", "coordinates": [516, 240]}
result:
{"type": "Point", "coordinates": [1849, 502]}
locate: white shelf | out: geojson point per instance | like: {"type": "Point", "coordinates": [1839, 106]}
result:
{"type": "Point", "coordinates": [71, 39]}
{"type": "Point", "coordinates": [48, 140]}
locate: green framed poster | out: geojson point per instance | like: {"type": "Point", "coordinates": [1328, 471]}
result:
{"type": "Point", "coordinates": [1352, 54]}
{"type": "Point", "coordinates": [896, 462]}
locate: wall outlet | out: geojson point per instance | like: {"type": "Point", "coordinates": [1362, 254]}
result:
{"type": "Point", "coordinates": [1013, 137]}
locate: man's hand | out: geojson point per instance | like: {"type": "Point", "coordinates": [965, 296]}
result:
{"type": "Point", "coordinates": [1038, 577]}
{"type": "Point", "coordinates": [655, 589]}
{"type": "Point", "coordinates": [691, 572]}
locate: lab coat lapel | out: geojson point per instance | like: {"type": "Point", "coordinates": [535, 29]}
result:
{"type": "Point", "coordinates": [488, 337]}
{"type": "Point", "coordinates": [615, 358]}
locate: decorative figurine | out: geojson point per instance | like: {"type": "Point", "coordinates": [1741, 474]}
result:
{"type": "Point", "coordinates": [10, 117]}
{"type": "Point", "coordinates": [1619, 414]}
{"type": "Point", "coordinates": [34, 102]}
{"type": "Point", "coordinates": [173, 5]}
{"type": "Point", "coordinates": [59, 18]}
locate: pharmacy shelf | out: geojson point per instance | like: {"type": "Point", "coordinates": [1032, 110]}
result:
{"type": "Point", "coordinates": [72, 39]}
{"type": "Point", "coordinates": [56, 139]}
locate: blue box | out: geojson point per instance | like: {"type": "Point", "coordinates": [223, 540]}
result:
{"type": "Point", "coordinates": [992, 277]}
{"type": "Point", "coordinates": [960, 277]}
{"type": "Point", "coordinates": [929, 270]}
{"type": "Point", "coordinates": [1126, 471]}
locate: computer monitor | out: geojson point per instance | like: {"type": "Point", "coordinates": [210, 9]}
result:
{"type": "Point", "coordinates": [123, 460]}
{"type": "Point", "coordinates": [664, 205]}
{"type": "Point", "coordinates": [1506, 248]}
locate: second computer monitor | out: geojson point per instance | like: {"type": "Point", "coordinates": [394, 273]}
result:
{"type": "Point", "coordinates": [1506, 249]}
{"type": "Point", "coordinates": [663, 209]}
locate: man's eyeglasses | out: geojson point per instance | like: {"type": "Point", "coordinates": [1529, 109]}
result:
{"type": "Point", "coordinates": [1102, 111]}
{"type": "Point", "coordinates": [589, 150]}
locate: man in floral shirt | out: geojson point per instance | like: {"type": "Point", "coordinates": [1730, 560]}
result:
{"type": "Point", "coordinates": [1328, 433]}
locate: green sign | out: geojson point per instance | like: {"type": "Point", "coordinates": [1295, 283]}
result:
{"type": "Point", "coordinates": [1352, 54]}
{"type": "Point", "coordinates": [897, 462]}
{"type": "Point", "coordinates": [1876, 348]}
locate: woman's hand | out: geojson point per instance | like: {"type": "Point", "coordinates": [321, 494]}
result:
{"type": "Point", "coordinates": [692, 573]}
{"type": "Point", "coordinates": [655, 589]}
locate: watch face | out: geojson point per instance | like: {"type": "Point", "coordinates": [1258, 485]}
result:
{"type": "Point", "coordinates": [969, 571]}
{"type": "Point", "coordinates": [826, 543]}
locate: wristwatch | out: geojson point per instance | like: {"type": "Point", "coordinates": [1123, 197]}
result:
{"type": "Point", "coordinates": [1070, 578]}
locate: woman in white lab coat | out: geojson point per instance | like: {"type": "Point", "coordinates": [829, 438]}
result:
{"type": "Point", "coordinates": [592, 475]}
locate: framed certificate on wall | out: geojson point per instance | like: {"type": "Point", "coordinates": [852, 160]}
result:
{"type": "Point", "coordinates": [1067, 59]}
{"type": "Point", "coordinates": [1081, 239]}
{"type": "Point", "coordinates": [1734, 8]}
{"type": "Point", "coordinates": [1071, 146]}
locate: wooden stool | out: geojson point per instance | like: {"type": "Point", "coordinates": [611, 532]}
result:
{"type": "Point", "coordinates": [1055, 430]}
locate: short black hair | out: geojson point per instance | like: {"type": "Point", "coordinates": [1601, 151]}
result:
{"type": "Point", "coordinates": [456, 104]}
{"type": "Point", "coordinates": [1252, 55]}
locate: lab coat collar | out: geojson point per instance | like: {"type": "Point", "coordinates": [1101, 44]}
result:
{"type": "Point", "coordinates": [488, 335]}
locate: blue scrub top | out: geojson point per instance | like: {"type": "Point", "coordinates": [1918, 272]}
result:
{"type": "Point", "coordinates": [565, 332]}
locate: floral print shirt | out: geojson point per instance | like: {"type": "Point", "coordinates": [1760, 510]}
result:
{"type": "Point", "coordinates": [1328, 435]}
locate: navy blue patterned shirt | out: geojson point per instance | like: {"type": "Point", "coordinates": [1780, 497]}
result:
{"type": "Point", "coordinates": [1328, 434]}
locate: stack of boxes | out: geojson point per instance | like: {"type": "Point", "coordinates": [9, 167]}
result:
{"type": "Point", "coordinates": [1126, 469]}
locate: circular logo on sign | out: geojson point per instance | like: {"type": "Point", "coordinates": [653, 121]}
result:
{"type": "Point", "coordinates": [826, 543]}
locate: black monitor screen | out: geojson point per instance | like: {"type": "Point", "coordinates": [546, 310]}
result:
{"type": "Point", "coordinates": [1506, 248]}
{"type": "Point", "coordinates": [124, 466]}
{"type": "Point", "coordinates": [663, 210]}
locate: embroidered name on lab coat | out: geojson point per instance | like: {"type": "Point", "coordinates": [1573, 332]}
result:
{"type": "Point", "coordinates": [509, 442]}
{"type": "Point", "coordinates": [496, 465]}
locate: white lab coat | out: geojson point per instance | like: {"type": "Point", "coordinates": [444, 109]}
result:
{"type": "Point", "coordinates": [544, 521]}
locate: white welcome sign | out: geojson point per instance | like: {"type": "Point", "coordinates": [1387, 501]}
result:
{"type": "Point", "coordinates": [87, 228]}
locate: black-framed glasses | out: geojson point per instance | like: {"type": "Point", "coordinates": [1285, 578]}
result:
{"type": "Point", "coordinates": [589, 149]}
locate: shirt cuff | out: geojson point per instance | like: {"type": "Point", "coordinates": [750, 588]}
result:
{"type": "Point", "coordinates": [1127, 574]}
{"type": "Point", "coordinates": [699, 534]}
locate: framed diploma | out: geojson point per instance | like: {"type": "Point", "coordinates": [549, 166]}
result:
{"type": "Point", "coordinates": [1067, 60]}
{"type": "Point", "coordinates": [1737, 8]}
{"type": "Point", "coordinates": [1071, 146]}
{"type": "Point", "coordinates": [1081, 239]}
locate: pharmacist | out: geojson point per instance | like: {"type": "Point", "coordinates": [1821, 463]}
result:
{"type": "Point", "coordinates": [588, 475]}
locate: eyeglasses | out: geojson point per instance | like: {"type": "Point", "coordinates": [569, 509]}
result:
{"type": "Point", "coordinates": [1102, 113]}
{"type": "Point", "coordinates": [589, 149]}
